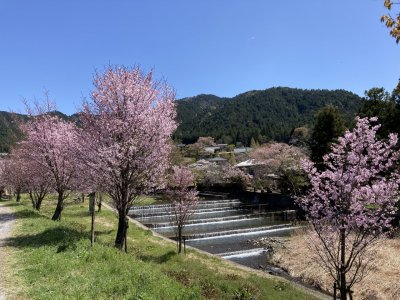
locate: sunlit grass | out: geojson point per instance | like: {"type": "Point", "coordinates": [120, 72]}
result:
{"type": "Point", "coordinates": [55, 261]}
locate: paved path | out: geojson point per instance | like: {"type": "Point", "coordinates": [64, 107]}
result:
{"type": "Point", "coordinates": [6, 223]}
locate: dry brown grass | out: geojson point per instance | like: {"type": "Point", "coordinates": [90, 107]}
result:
{"type": "Point", "coordinates": [382, 281]}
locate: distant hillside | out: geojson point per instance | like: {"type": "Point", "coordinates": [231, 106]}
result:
{"type": "Point", "coordinates": [269, 114]}
{"type": "Point", "coordinates": [265, 115]}
{"type": "Point", "coordinates": [9, 131]}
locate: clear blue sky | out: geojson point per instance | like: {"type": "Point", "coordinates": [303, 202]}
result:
{"type": "Point", "coordinates": [223, 47]}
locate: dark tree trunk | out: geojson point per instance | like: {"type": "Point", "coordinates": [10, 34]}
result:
{"type": "Point", "coordinates": [36, 199]}
{"type": "Point", "coordinates": [59, 208]}
{"type": "Point", "coordinates": [99, 202]}
{"type": "Point", "coordinates": [18, 195]}
{"type": "Point", "coordinates": [32, 199]}
{"type": "Point", "coordinates": [92, 199]}
{"type": "Point", "coordinates": [343, 287]}
{"type": "Point", "coordinates": [179, 239]}
{"type": "Point", "coordinates": [92, 230]}
{"type": "Point", "coordinates": [83, 197]}
{"type": "Point", "coordinates": [126, 237]}
{"type": "Point", "coordinates": [122, 229]}
{"type": "Point", "coordinates": [38, 203]}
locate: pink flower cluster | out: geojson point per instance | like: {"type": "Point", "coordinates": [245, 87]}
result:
{"type": "Point", "coordinates": [184, 198]}
{"type": "Point", "coordinates": [351, 203]}
{"type": "Point", "coordinates": [359, 188]}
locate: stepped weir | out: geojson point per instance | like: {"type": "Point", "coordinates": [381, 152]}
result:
{"type": "Point", "coordinates": [223, 226]}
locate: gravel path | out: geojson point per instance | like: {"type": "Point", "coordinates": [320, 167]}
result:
{"type": "Point", "coordinates": [6, 223]}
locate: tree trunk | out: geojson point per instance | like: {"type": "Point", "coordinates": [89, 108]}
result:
{"type": "Point", "coordinates": [92, 230]}
{"type": "Point", "coordinates": [59, 208]}
{"type": "Point", "coordinates": [122, 229]}
{"type": "Point", "coordinates": [83, 197]}
{"type": "Point", "coordinates": [99, 207]}
{"type": "Point", "coordinates": [343, 287]}
{"type": "Point", "coordinates": [179, 239]}
{"type": "Point", "coordinates": [32, 199]}
{"type": "Point", "coordinates": [39, 203]}
{"type": "Point", "coordinates": [99, 202]}
{"type": "Point", "coordinates": [36, 199]}
{"type": "Point", "coordinates": [39, 198]}
{"type": "Point", "coordinates": [126, 237]}
{"type": "Point", "coordinates": [18, 195]}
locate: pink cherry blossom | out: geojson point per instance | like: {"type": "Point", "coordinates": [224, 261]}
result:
{"type": "Point", "coordinates": [352, 202]}
{"type": "Point", "coordinates": [50, 144]}
{"type": "Point", "coordinates": [184, 199]}
{"type": "Point", "coordinates": [126, 126]}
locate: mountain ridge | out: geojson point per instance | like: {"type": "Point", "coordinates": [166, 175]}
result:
{"type": "Point", "coordinates": [263, 115]}
{"type": "Point", "coordinates": [269, 114]}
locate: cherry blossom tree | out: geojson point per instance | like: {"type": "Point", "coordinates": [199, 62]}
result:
{"type": "Point", "coordinates": [27, 175]}
{"type": "Point", "coordinates": [128, 123]}
{"type": "Point", "coordinates": [208, 174]}
{"type": "Point", "coordinates": [352, 202]}
{"type": "Point", "coordinates": [14, 175]}
{"type": "Point", "coordinates": [51, 143]}
{"type": "Point", "coordinates": [2, 178]}
{"type": "Point", "coordinates": [283, 160]}
{"type": "Point", "coordinates": [206, 141]}
{"type": "Point", "coordinates": [197, 149]}
{"type": "Point", "coordinates": [236, 176]}
{"type": "Point", "coordinates": [184, 199]}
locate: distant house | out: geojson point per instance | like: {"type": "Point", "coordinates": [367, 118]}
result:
{"type": "Point", "coordinates": [248, 163]}
{"type": "Point", "coordinates": [211, 149]}
{"type": "Point", "coordinates": [242, 150]}
{"type": "Point", "coordinates": [202, 162]}
{"type": "Point", "coordinates": [218, 160]}
{"type": "Point", "coordinates": [222, 146]}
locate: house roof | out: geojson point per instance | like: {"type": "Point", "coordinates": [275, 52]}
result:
{"type": "Point", "coordinates": [216, 159]}
{"type": "Point", "coordinates": [248, 163]}
{"type": "Point", "coordinates": [242, 150]}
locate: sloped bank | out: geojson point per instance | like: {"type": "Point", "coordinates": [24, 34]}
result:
{"type": "Point", "coordinates": [55, 261]}
{"type": "Point", "coordinates": [159, 215]}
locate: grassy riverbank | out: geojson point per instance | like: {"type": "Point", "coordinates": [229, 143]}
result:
{"type": "Point", "coordinates": [54, 260]}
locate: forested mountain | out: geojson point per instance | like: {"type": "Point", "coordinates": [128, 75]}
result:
{"type": "Point", "coordinates": [269, 114]}
{"type": "Point", "coordinates": [9, 132]}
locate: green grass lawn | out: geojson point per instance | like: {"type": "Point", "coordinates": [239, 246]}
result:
{"type": "Point", "coordinates": [140, 201]}
{"type": "Point", "coordinates": [54, 260]}
{"type": "Point", "coordinates": [145, 200]}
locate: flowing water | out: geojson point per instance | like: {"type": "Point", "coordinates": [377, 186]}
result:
{"type": "Point", "coordinates": [222, 227]}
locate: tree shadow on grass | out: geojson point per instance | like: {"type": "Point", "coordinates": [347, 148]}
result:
{"type": "Point", "coordinates": [159, 259]}
{"type": "Point", "coordinates": [23, 214]}
{"type": "Point", "coordinates": [103, 232]}
{"type": "Point", "coordinates": [79, 213]}
{"type": "Point", "coordinates": [8, 202]}
{"type": "Point", "coordinates": [29, 214]}
{"type": "Point", "coordinates": [5, 217]}
{"type": "Point", "coordinates": [63, 236]}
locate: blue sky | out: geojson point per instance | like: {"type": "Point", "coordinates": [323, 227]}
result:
{"type": "Point", "coordinates": [221, 47]}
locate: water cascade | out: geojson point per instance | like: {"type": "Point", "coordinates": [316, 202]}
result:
{"type": "Point", "coordinates": [222, 226]}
